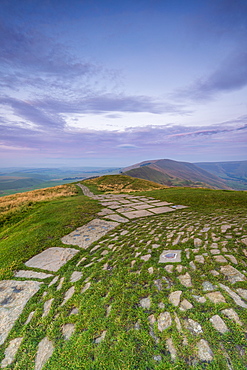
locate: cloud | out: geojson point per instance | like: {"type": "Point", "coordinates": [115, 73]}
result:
{"type": "Point", "coordinates": [231, 75]}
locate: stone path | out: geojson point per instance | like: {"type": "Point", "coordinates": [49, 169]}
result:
{"type": "Point", "coordinates": [193, 305]}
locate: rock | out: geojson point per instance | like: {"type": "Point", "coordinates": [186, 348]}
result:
{"type": "Point", "coordinates": [192, 265]}
{"type": "Point", "coordinates": [68, 330]}
{"type": "Point", "coordinates": [32, 274]}
{"type": "Point", "coordinates": [231, 314]}
{"type": "Point", "coordinates": [179, 268]}
{"type": "Point", "coordinates": [145, 303]}
{"type": "Point", "coordinates": [161, 305]}
{"type": "Point", "coordinates": [30, 316]}
{"type": "Point", "coordinates": [242, 292]}
{"type": "Point", "coordinates": [231, 258]}
{"type": "Point", "coordinates": [146, 257]}
{"type": "Point", "coordinates": [102, 337]}
{"type": "Point", "coordinates": [199, 259]}
{"type": "Point", "coordinates": [169, 268]}
{"type": "Point", "coordinates": [171, 349]}
{"type": "Point", "coordinates": [220, 259]}
{"type": "Point", "coordinates": [216, 297]}
{"type": "Point", "coordinates": [74, 311]}
{"type": "Point", "coordinates": [174, 297]}
{"type": "Point", "coordinates": [232, 274]}
{"type": "Point", "coordinates": [185, 280]}
{"type": "Point", "coordinates": [151, 270]}
{"type": "Point", "coordinates": [214, 272]}
{"type": "Point", "coordinates": [151, 319]}
{"type": "Point", "coordinates": [52, 258]}
{"type": "Point", "coordinates": [244, 241]}
{"type": "Point", "coordinates": [164, 321]}
{"type": "Point", "coordinates": [53, 281]}
{"type": "Point", "coordinates": [60, 283]}
{"type": "Point", "coordinates": [11, 351]}
{"type": "Point", "coordinates": [14, 296]}
{"type": "Point", "coordinates": [234, 296]}
{"type": "Point", "coordinates": [68, 295]}
{"type": "Point", "coordinates": [199, 299]}
{"type": "Point", "coordinates": [207, 286]}
{"type": "Point", "coordinates": [218, 324]}
{"type": "Point", "coordinates": [215, 251]}
{"type": "Point", "coordinates": [47, 307]}
{"type": "Point", "coordinates": [157, 358]}
{"type": "Point", "coordinates": [185, 305]}
{"type": "Point", "coordinates": [193, 326]}
{"type": "Point", "coordinates": [224, 228]}
{"type": "Point", "coordinates": [197, 242]}
{"type": "Point", "coordinates": [86, 287]}
{"type": "Point", "coordinates": [45, 350]}
{"type": "Point", "coordinates": [204, 351]}
{"type": "Point", "coordinates": [178, 324]}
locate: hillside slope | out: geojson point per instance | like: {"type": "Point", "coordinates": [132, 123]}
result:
{"type": "Point", "coordinates": [174, 173]}
{"type": "Point", "coordinates": [234, 173]}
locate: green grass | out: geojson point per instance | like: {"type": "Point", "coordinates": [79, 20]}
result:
{"type": "Point", "coordinates": [37, 227]}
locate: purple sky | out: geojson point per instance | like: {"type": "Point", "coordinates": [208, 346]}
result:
{"type": "Point", "coordinates": [108, 83]}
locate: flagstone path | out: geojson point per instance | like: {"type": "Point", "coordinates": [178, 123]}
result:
{"type": "Point", "coordinates": [198, 292]}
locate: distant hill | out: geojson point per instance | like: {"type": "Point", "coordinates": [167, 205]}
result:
{"type": "Point", "coordinates": [234, 173]}
{"type": "Point", "coordinates": [174, 173]}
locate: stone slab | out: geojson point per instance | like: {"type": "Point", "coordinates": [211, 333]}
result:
{"type": "Point", "coordinates": [13, 297]}
{"type": "Point", "coordinates": [159, 210]}
{"type": "Point", "coordinates": [85, 235]}
{"type": "Point", "coordinates": [117, 218]}
{"type": "Point", "coordinates": [168, 256]}
{"type": "Point", "coordinates": [142, 206]}
{"type": "Point", "coordinates": [45, 350]}
{"type": "Point", "coordinates": [11, 351]}
{"type": "Point", "coordinates": [136, 214]}
{"type": "Point", "coordinates": [160, 204]}
{"type": "Point", "coordinates": [232, 274]}
{"type": "Point", "coordinates": [31, 274]}
{"type": "Point", "coordinates": [52, 258]}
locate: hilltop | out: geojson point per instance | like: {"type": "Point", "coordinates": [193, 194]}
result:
{"type": "Point", "coordinates": [174, 173]}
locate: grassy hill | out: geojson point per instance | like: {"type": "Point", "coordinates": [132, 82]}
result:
{"type": "Point", "coordinates": [234, 173]}
{"type": "Point", "coordinates": [174, 173]}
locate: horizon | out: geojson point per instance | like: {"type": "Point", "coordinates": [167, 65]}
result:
{"type": "Point", "coordinates": [111, 84]}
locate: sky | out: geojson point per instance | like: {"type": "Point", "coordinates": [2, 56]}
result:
{"type": "Point", "coordinates": [109, 83]}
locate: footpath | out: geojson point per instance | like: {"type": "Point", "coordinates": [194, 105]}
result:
{"type": "Point", "coordinates": [196, 265]}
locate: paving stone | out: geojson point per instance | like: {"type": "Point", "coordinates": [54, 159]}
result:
{"type": "Point", "coordinates": [145, 303]}
{"type": "Point", "coordinates": [68, 295]}
{"type": "Point", "coordinates": [214, 272]}
{"type": "Point", "coordinates": [76, 275]}
{"type": "Point", "coordinates": [142, 206]}
{"type": "Point", "coordinates": [124, 232]}
{"type": "Point", "coordinates": [224, 228]}
{"type": "Point", "coordinates": [53, 281]}
{"type": "Point", "coordinates": [45, 350]}
{"type": "Point", "coordinates": [216, 297]}
{"type": "Point", "coordinates": [157, 358]}
{"type": "Point", "coordinates": [218, 324]}
{"type": "Point", "coordinates": [86, 287]}
{"type": "Point", "coordinates": [52, 258]}
{"type": "Point", "coordinates": [30, 316]}
{"type": "Point", "coordinates": [117, 218]}
{"type": "Point", "coordinates": [146, 257]}
{"type": "Point", "coordinates": [11, 351]}
{"type": "Point", "coordinates": [174, 297]}
{"type": "Point", "coordinates": [207, 286]}
{"type": "Point", "coordinates": [204, 351]}
{"type": "Point", "coordinates": [102, 337]}
{"type": "Point", "coordinates": [170, 256]}
{"type": "Point", "coordinates": [60, 283]}
{"type": "Point", "coordinates": [68, 330]}
{"type": "Point", "coordinates": [171, 349]}
{"type": "Point", "coordinates": [105, 212]}
{"type": "Point", "coordinates": [14, 296]}
{"type": "Point", "coordinates": [151, 270]}
{"type": "Point", "coordinates": [199, 299]}
{"type": "Point", "coordinates": [185, 305]}
{"type": "Point", "coordinates": [160, 204]}
{"type": "Point", "coordinates": [232, 274]}
{"type": "Point", "coordinates": [31, 274]}
{"type": "Point", "coordinates": [193, 326]}
{"type": "Point", "coordinates": [164, 321]}
{"type": "Point", "coordinates": [199, 259]}
{"type": "Point", "coordinates": [192, 265]}
{"type": "Point", "coordinates": [161, 210]}
{"type": "Point", "coordinates": [231, 314]}
{"type": "Point", "coordinates": [85, 235]}
{"type": "Point", "coordinates": [215, 251]}
{"type": "Point", "coordinates": [185, 280]}
{"type": "Point", "coordinates": [244, 240]}
{"type": "Point", "coordinates": [242, 292]}
{"type": "Point", "coordinates": [169, 268]}
{"type": "Point", "coordinates": [151, 319]}
{"type": "Point", "coordinates": [234, 296]}
{"type": "Point", "coordinates": [197, 242]}
{"type": "Point", "coordinates": [74, 311]}
{"type": "Point", "coordinates": [232, 258]}
{"type": "Point", "coordinates": [179, 268]}
{"type": "Point", "coordinates": [178, 323]}
{"type": "Point", "coordinates": [137, 214]}
{"type": "Point", "coordinates": [47, 307]}
{"type": "Point", "coordinates": [108, 310]}
{"type": "Point", "coordinates": [220, 259]}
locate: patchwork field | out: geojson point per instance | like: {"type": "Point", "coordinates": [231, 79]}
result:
{"type": "Point", "coordinates": [141, 283]}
